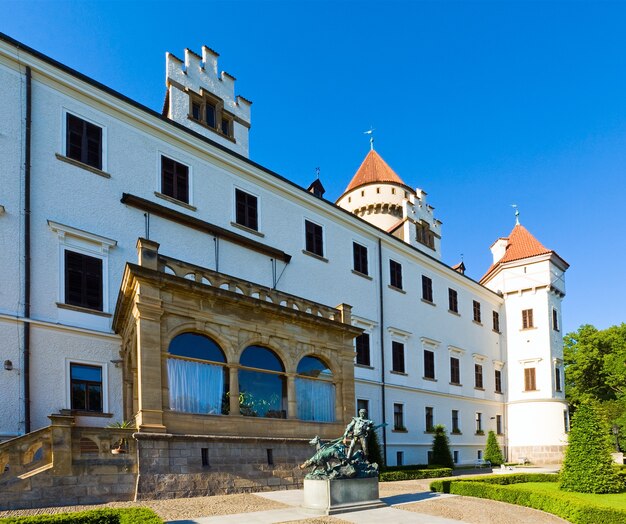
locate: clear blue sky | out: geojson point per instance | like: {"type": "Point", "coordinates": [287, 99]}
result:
{"type": "Point", "coordinates": [481, 104]}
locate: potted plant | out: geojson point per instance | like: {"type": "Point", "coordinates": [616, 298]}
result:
{"type": "Point", "coordinates": [121, 445]}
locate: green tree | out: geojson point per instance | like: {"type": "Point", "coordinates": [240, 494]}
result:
{"type": "Point", "coordinates": [373, 449]}
{"type": "Point", "coordinates": [594, 364]}
{"type": "Point", "coordinates": [441, 448]}
{"type": "Point", "coordinates": [493, 453]}
{"type": "Point", "coordinates": [588, 466]}
{"type": "Point", "coordinates": [595, 371]}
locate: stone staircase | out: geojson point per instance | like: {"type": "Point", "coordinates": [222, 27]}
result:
{"type": "Point", "coordinates": [63, 465]}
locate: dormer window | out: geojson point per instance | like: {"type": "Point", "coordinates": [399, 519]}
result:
{"type": "Point", "coordinates": [209, 111]}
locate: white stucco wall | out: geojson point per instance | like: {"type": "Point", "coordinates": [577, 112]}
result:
{"type": "Point", "coordinates": [134, 140]}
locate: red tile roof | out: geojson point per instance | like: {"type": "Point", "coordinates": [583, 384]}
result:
{"type": "Point", "coordinates": [374, 170]}
{"type": "Point", "coordinates": [520, 244]}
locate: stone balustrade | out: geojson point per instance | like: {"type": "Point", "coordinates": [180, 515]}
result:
{"type": "Point", "coordinates": [249, 289]}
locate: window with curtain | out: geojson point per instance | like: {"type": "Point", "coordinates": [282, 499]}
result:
{"type": "Point", "coordinates": [262, 384]}
{"type": "Point", "coordinates": [315, 391]}
{"type": "Point", "coordinates": [197, 375]}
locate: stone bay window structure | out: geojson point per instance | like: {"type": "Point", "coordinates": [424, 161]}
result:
{"type": "Point", "coordinates": [207, 353]}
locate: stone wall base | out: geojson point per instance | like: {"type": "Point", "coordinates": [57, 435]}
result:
{"type": "Point", "coordinates": [537, 454]}
{"type": "Point", "coordinates": [173, 466]}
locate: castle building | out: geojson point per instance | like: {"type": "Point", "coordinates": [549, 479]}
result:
{"type": "Point", "coordinates": [152, 272]}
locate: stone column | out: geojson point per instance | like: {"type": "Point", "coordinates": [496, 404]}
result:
{"type": "Point", "coordinates": [292, 401]}
{"type": "Point", "coordinates": [61, 444]}
{"type": "Point", "coordinates": [234, 390]}
{"type": "Point", "coordinates": [147, 313]}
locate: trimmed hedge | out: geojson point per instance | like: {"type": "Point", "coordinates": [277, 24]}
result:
{"type": "Point", "coordinates": [559, 503]}
{"type": "Point", "coordinates": [414, 474]}
{"type": "Point", "coordinates": [96, 516]}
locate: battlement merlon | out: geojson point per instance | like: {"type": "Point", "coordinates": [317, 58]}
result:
{"type": "Point", "coordinates": [200, 73]}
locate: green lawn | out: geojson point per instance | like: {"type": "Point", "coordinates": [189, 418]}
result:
{"type": "Point", "coordinates": [616, 501]}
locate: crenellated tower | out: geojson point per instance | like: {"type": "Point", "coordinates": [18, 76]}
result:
{"type": "Point", "coordinates": [379, 196]}
{"type": "Point", "coordinates": [202, 100]}
{"type": "Point", "coordinates": [531, 278]}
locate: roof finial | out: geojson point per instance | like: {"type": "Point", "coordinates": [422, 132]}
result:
{"type": "Point", "coordinates": [317, 172]}
{"type": "Point", "coordinates": [514, 206]}
{"type": "Point", "coordinates": [371, 134]}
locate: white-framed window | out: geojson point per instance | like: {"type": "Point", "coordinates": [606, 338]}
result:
{"type": "Point", "coordinates": [246, 209]}
{"type": "Point", "coordinates": [87, 385]}
{"type": "Point", "coordinates": [313, 238]}
{"type": "Point", "coordinates": [83, 138]}
{"type": "Point", "coordinates": [83, 268]}
{"type": "Point", "coordinates": [174, 178]}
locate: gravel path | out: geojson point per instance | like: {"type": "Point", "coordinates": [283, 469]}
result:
{"type": "Point", "coordinates": [468, 509]}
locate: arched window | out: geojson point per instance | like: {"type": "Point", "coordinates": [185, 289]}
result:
{"type": "Point", "coordinates": [262, 384]}
{"type": "Point", "coordinates": [197, 375]}
{"type": "Point", "coordinates": [315, 391]}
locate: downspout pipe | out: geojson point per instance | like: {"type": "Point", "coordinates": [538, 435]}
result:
{"type": "Point", "coordinates": [27, 240]}
{"type": "Point", "coordinates": [381, 305]}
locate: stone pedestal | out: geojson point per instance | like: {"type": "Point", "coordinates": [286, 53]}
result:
{"type": "Point", "coordinates": [328, 497]}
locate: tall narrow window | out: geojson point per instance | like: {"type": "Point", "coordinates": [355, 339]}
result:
{"type": "Point", "coordinates": [429, 364]}
{"type": "Point", "coordinates": [83, 141]}
{"type": "Point", "coordinates": [530, 383]}
{"type": "Point", "coordinates": [398, 417]}
{"type": "Point", "coordinates": [557, 379]}
{"type": "Point", "coordinates": [362, 343]}
{"type": "Point", "coordinates": [246, 209]}
{"type": "Point", "coordinates": [478, 376]}
{"type": "Point", "coordinates": [455, 371]}
{"type": "Point", "coordinates": [498, 378]}
{"type": "Point", "coordinates": [479, 422]}
{"type": "Point", "coordinates": [455, 421]}
{"type": "Point", "coordinates": [455, 456]}
{"type": "Point", "coordinates": [565, 421]}
{"type": "Point", "coordinates": [430, 418]}
{"type": "Point", "coordinates": [83, 280]}
{"type": "Point", "coordinates": [174, 179]}
{"type": "Point", "coordinates": [397, 354]}
{"type": "Point", "coordinates": [399, 458]}
{"type": "Point", "coordinates": [360, 258]}
{"type": "Point", "coordinates": [427, 289]}
{"type": "Point", "coordinates": [476, 310]}
{"type": "Point", "coordinates": [453, 300]}
{"type": "Point", "coordinates": [555, 319]}
{"type": "Point", "coordinates": [395, 274]}
{"type": "Point", "coordinates": [499, 424]}
{"type": "Point", "coordinates": [226, 127]}
{"type": "Point", "coordinates": [210, 114]}
{"type": "Point", "coordinates": [496, 322]}
{"type": "Point", "coordinates": [86, 387]}
{"type": "Point", "coordinates": [314, 238]}
{"type": "Point", "coordinates": [527, 318]}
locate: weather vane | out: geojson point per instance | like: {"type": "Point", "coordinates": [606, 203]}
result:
{"type": "Point", "coordinates": [514, 206]}
{"type": "Point", "coordinates": [317, 172]}
{"type": "Point", "coordinates": [371, 134]}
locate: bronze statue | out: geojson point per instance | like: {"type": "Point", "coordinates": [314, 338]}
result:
{"type": "Point", "coordinates": [338, 459]}
{"type": "Point", "coordinates": [357, 431]}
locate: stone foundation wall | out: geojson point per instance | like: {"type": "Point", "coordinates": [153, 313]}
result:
{"type": "Point", "coordinates": [172, 466]}
{"type": "Point", "coordinates": [538, 454]}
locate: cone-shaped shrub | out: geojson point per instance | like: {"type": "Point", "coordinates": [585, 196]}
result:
{"type": "Point", "coordinates": [373, 444]}
{"type": "Point", "coordinates": [493, 453]}
{"type": "Point", "coordinates": [441, 448]}
{"type": "Point", "coordinates": [588, 466]}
